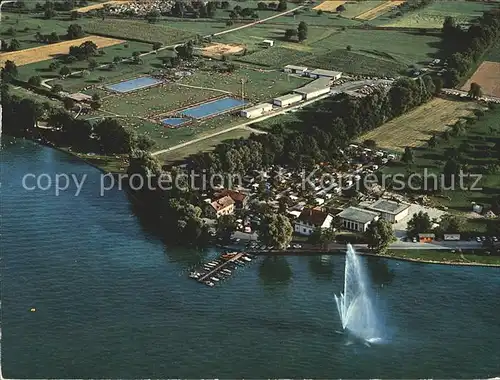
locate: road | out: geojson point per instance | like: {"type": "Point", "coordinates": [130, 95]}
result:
{"type": "Point", "coordinates": [399, 245]}
{"type": "Point", "coordinates": [453, 91]}
{"type": "Point", "coordinates": [350, 86]}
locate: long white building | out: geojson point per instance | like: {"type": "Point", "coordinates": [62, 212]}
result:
{"type": "Point", "coordinates": [287, 100]}
{"type": "Point", "coordinates": [256, 110]}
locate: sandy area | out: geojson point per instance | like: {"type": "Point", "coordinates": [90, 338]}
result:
{"type": "Point", "coordinates": [218, 49]}
{"type": "Point", "coordinates": [101, 5]}
{"type": "Point", "coordinates": [329, 5]}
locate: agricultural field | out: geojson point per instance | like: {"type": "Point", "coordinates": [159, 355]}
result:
{"type": "Point", "coordinates": [48, 52]}
{"type": "Point", "coordinates": [416, 127]}
{"type": "Point", "coordinates": [433, 15]}
{"type": "Point", "coordinates": [356, 8]}
{"type": "Point", "coordinates": [476, 144]}
{"type": "Point", "coordinates": [155, 100]}
{"type": "Point", "coordinates": [369, 51]}
{"type": "Point", "coordinates": [100, 5]}
{"type": "Point", "coordinates": [138, 30]}
{"type": "Point", "coordinates": [329, 5]}
{"type": "Point", "coordinates": [380, 10]}
{"type": "Point", "coordinates": [487, 76]}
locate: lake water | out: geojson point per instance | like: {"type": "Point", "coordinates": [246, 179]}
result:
{"type": "Point", "coordinates": [113, 302]}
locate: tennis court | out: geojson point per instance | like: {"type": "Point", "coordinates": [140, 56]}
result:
{"type": "Point", "coordinates": [212, 108]}
{"type": "Point", "coordinates": [174, 121]}
{"type": "Point", "coordinates": [134, 84]}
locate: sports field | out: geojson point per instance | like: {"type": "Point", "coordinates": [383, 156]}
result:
{"type": "Point", "coordinates": [433, 15]}
{"type": "Point", "coordinates": [416, 127]}
{"type": "Point", "coordinates": [43, 53]}
{"type": "Point", "coordinates": [488, 77]}
{"type": "Point", "coordinates": [377, 11]}
{"type": "Point", "coordinates": [329, 5]}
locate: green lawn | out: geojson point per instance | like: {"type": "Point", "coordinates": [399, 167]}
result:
{"type": "Point", "coordinates": [433, 15]}
{"type": "Point", "coordinates": [354, 9]}
{"type": "Point", "coordinates": [375, 52]}
{"type": "Point", "coordinates": [259, 85]}
{"type": "Point", "coordinates": [26, 94]}
{"type": "Point", "coordinates": [156, 100]}
{"type": "Point", "coordinates": [202, 146]}
{"type": "Point", "coordinates": [448, 257]}
{"type": "Point", "coordinates": [494, 53]}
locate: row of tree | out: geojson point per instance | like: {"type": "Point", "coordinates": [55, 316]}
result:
{"type": "Point", "coordinates": [299, 34]}
{"type": "Point", "coordinates": [463, 48]}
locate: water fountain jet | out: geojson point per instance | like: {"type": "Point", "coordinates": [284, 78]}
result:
{"type": "Point", "coordinates": [355, 304]}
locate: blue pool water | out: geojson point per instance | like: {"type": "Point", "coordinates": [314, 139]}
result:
{"type": "Point", "coordinates": [174, 121]}
{"type": "Point", "coordinates": [134, 84]}
{"type": "Point", "coordinates": [212, 108]}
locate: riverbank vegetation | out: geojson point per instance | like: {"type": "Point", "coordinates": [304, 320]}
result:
{"type": "Point", "coordinates": [443, 256]}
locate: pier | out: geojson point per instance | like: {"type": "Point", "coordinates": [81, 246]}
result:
{"type": "Point", "coordinates": [218, 268]}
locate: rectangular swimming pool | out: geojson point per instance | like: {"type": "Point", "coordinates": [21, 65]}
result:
{"type": "Point", "coordinates": [174, 121]}
{"type": "Point", "coordinates": [134, 84]}
{"type": "Point", "coordinates": [214, 107]}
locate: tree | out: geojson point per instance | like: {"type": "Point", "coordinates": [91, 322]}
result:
{"type": "Point", "coordinates": [379, 235]}
{"type": "Point", "coordinates": [69, 103]}
{"type": "Point", "coordinates": [92, 64]}
{"type": "Point", "coordinates": [153, 16]}
{"type": "Point", "coordinates": [74, 31]}
{"type": "Point", "coordinates": [475, 91]}
{"type": "Point", "coordinates": [65, 70]}
{"type": "Point", "coordinates": [290, 34]}
{"type": "Point", "coordinates": [96, 97]}
{"type": "Point", "coordinates": [319, 12]}
{"type": "Point", "coordinates": [407, 157]}
{"type": "Point", "coordinates": [113, 137]}
{"type": "Point", "coordinates": [156, 45]}
{"type": "Point", "coordinates": [9, 71]}
{"type": "Point", "coordinates": [49, 13]}
{"type": "Point", "coordinates": [186, 50]}
{"type": "Point", "coordinates": [14, 45]}
{"type": "Point", "coordinates": [95, 105]}
{"type": "Point", "coordinates": [144, 142]}
{"type": "Point", "coordinates": [57, 88]}
{"type": "Point", "coordinates": [75, 15]}
{"type": "Point", "coordinates": [261, 6]}
{"type": "Point", "coordinates": [275, 230]}
{"type": "Point", "coordinates": [226, 225]}
{"type": "Point", "coordinates": [282, 5]}
{"type": "Point", "coordinates": [143, 164]}
{"type": "Point", "coordinates": [302, 35]}
{"type": "Point", "coordinates": [348, 47]}
{"type": "Point", "coordinates": [418, 224]}
{"type": "Point", "coordinates": [432, 142]}
{"type": "Point", "coordinates": [340, 8]}
{"type": "Point", "coordinates": [451, 224]}
{"type": "Point", "coordinates": [35, 81]}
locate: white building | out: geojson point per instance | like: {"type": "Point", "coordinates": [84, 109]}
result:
{"type": "Point", "coordinates": [357, 219]}
{"type": "Point", "coordinates": [295, 69]}
{"type": "Point", "coordinates": [256, 110]}
{"type": "Point", "coordinates": [268, 43]}
{"type": "Point", "coordinates": [310, 219]}
{"type": "Point", "coordinates": [320, 73]}
{"type": "Point", "coordinates": [287, 100]}
{"type": "Point", "coordinates": [314, 89]}
{"type": "Point", "coordinates": [389, 210]}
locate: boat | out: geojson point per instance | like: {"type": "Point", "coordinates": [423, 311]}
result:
{"type": "Point", "coordinates": [215, 279]}
{"type": "Point", "coordinates": [226, 271]}
{"type": "Point", "coordinates": [209, 283]}
{"type": "Point", "coordinates": [194, 275]}
{"type": "Point", "coordinates": [246, 258]}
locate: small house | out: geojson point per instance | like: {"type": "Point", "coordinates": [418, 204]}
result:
{"type": "Point", "coordinates": [311, 219]}
{"type": "Point", "coordinates": [268, 43]}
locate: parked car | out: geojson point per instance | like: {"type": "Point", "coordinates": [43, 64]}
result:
{"type": "Point", "coordinates": [296, 246]}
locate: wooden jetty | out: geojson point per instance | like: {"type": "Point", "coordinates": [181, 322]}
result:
{"type": "Point", "coordinates": [221, 266]}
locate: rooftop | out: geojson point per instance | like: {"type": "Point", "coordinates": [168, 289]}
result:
{"type": "Point", "coordinates": [313, 216]}
{"type": "Point", "coordinates": [288, 96]}
{"type": "Point", "coordinates": [234, 195]}
{"type": "Point", "coordinates": [293, 67]}
{"type": "Point", "coordinates": [258, 107]}
{"type": "Point", "coordinates": [222, 203]}
{"type": "Point", "coordinates": [325, 72]}
{"type": "Point", "coordinates": [315, 85]}
{"type": "Point", "coordinates": [357, 214]}
{"type": "Point", "coordinates": [388, 207]}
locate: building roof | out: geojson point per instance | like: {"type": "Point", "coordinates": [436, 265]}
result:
{"type": "Point", "coordinates": [325, 73]}
{"type": "Point", "coordinates": [288, 97]}
{"type": "Point", "coordinates": [426, 235]}
{"type": "Point", "coordinates": [389, 207]}
{"type": "Point", "coordinates": [268, 41]}
{"type": "Point", "coordinates": [313, 216]}
{"type": "Point", "coordinates": [298, 68]}
{"type": "Point", "coordinates": [315, 85]}
{"type": "Point", "coordinates": [258, 107]}
{"type": "Point", "coordinates": [79, 97]}
{"type": "Point", "coordinates": [234, 195]}
{"type": "Point", "coordinates": [357, 214]}
{"type": "Point", "coordinates": [222, 203]}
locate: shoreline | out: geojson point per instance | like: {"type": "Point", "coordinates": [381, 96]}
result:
{"type": "Point", "coordinates": [285, 253]}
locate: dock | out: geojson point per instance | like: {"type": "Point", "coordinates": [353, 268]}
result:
{"type": "Point", "coordinates": [218, 268]}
